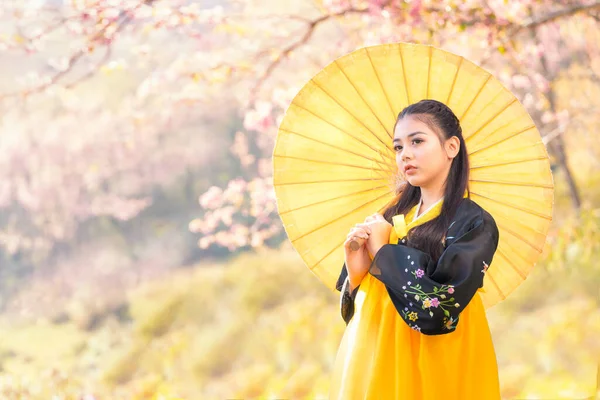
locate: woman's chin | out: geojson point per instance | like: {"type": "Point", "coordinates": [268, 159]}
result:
{"type": "Point", "coordinates": [414, 181]}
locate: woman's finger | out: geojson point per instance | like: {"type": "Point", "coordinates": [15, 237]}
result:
{"type": "Point", "coordinates": [359, 233]}
{"type": "Point", "coordinates": [364, 226]}
{"type": "Point", "coordinates": [365, 229]}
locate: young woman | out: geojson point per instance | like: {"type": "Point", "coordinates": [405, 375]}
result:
{"type": "Point", "coordinates": [416, 326]}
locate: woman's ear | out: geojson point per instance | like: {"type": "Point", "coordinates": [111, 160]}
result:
{"type": "Point", "coordinates": [452, 147]}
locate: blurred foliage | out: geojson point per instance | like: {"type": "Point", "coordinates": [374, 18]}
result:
{"type": "Point", "coordinates": [97, 206]}
{"type": "Point", "coordinates": [261, 326]}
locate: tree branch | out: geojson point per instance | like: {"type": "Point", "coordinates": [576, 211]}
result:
{"type": "Point", "coordinates": [533, 23]}
{"type": "Point", "coordinates": [121, 21]}
{"type": "Point", "coordinates": [92, 70]}
{"type": "Point", "coordinates": [312, 25]}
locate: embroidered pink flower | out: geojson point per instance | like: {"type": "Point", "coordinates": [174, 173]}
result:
{"type": "Point", "coordinates": [435, 302]}
{"type": "Point", "coordinates": [420, 273]}
{"type": "Point", "coordinates": [450, 290]}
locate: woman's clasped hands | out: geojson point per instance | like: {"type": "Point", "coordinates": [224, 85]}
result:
{"type": "Point", "coordinates": [370, 236]}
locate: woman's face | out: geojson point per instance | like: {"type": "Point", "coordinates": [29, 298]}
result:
{"type": "Point", "coordinates": [423, 158]}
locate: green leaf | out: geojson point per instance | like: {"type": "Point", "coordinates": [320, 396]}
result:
{"type": "Point", "coordinates": [446, 313]}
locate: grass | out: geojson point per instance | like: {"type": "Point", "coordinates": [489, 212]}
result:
{"type": "Point", "coordinates": [262, 326]}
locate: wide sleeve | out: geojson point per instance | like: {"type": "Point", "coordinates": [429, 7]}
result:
{"type": "Point", "coordinates": [346, 296]}
{"type": "Point", "coordinates": [430, 296]}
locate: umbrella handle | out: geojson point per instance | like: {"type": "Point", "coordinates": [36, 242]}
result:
{"type": "Point", "coordinates": [354, 246]}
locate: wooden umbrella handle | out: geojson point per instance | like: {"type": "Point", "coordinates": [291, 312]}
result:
{"type": "Point", "coordinates": [354, 246]}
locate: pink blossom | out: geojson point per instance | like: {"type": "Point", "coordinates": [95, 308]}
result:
{"type": "Point", "coordinates": [420, 273]}
{"type": "Point", "coordinates": [435, 302]}
{"type": "Point", "coordinates": [259, 119]}
{"type": "Point", "coordinates": [415, 9]}
{"type": "Point", "coordinates": [210, 199]}
{"type": "Point", "coordinates": [450, 290]}
{"type": "Point", "coordinates": [205, 241]}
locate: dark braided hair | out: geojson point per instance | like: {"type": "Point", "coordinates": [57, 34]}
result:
{"type": "Point", "coordinates": [428, 237]}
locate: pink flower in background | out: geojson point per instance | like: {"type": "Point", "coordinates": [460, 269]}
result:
{"type": "Point", "coordinates": [450, 290]}
{"type": "Point", "coordinates": [211, 199]}
{"type": "Point", "coordinates": [259, 119]}
{"type": "Point", "coordinates": [520, 81]}
{"type": "Point", "coordinates": [435, 302]}
{"type": "Point", "coordinates": [415, 9]}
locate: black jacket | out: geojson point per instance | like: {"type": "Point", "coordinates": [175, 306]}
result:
{"type": "Point", "coordinates": [429, 296]}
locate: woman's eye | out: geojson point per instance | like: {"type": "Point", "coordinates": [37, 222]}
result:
{"type": "Point", "coordinates": [397, 148]}
{"type": "Point", "coordinates": [417, 141]}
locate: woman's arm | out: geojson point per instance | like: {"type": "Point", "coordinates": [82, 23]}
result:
{"type": "Point", "coordinates": [430, 296]}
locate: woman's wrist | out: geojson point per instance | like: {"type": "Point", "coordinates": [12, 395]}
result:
{"type": "Point", "coordinates": [376, 247]}
{"type": "Point", "coordinates": [354, 282]}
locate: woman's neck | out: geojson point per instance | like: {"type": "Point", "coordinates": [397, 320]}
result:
{"type": "Point", "coordinates": [429, 197]}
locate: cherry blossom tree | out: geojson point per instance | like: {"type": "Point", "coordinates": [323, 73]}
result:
{"type": "Point", "coordinates": [260, 57]}
{"type": "Point", "coordinates": [526, 43]}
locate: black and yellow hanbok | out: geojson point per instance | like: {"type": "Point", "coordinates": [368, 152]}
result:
{"type": "Point", "coordinates": [417, 329]}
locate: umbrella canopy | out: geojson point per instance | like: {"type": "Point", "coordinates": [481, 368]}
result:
{"type": "Point", "coordinates": [334, 162]}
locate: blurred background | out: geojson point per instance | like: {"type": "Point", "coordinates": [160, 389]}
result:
{"type": "Point", "coordinates": [141, 252]}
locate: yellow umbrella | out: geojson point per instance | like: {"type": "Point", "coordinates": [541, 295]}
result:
{"type": "Point", "coordinates": [334, 163]}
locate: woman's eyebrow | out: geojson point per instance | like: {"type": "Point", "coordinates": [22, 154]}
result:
{"type": "Point", "coordinates": [410, 135]}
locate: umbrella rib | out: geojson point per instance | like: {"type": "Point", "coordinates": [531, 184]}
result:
{"type": "Point", "coordinates": [513, 206]}
{"type": "Point", "coordinates": [524, 160]}
{"type": "Point", "coordinates": [331, 199]}
{"type": "Point", "coordinates": [521, 238]}
{"type": "Point", "coordinates": [475, 97]}
{"type": "Point", "coordinates": [327, 255]}
{"type": "Point", "coordinates": [340, 217]}
{"type": "Point", "coordinates": [454, 80]}
{"type": "Point", "coordinates": [404, 75]}
{"type": "Point", "coordinates": [429, 71]}
{"type": "Point", "coordinates": [343, 131]}
{"type": "Point", "coordinates": [527, 184]}
{"type": "Point", "coordinates": [325, 181]}
{"type": "Point", "coordinates": [496, 130]}
{"type": "Point", "coordinates": [330, 145]}
{"type": "Point", "coordinates": [387, 98]}
{"type": "Point", "coordinates": [502, 140]}
{"type": "Point", "coordinates": [364, 100]}
{"type": "Point", "coordinates": [491, 119]}
{"type": "Point", "coordinates": [513, 266]}
{"type": "Point", "coordinates": [330, 163]}
{"type": "Point", "coordinates": [489, 275]}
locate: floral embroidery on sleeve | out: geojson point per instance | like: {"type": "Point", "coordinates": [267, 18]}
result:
{"type": "Point", "coordinates": [450, 323]}
{"type": "Point", "coordinates": [411, 315]}
{"type": "Point", "coordinates": [418, 273]}
{"type": "Point", "coordinates": [435, 299]}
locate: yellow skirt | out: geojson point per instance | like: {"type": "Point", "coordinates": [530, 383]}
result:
{"type": "Point", "coordinates": [380, 357]}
